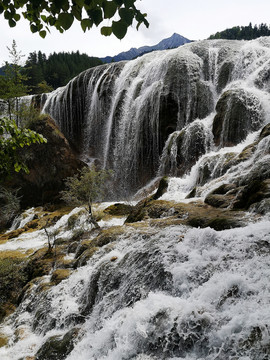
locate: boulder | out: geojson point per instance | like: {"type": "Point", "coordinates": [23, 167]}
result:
{"type": "Point", "coordinates": [238, 113]}
{"type": "Point", "coordinates": [184, 148]}
{"type": "Point", "coordinates": [58, 347]}
{"type": "Point", "coordinates": [118, 209]}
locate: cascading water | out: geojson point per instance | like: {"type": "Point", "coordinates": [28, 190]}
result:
{"type": "Point", "coordinates": [122, 114]}
{"type": "Point", "coordinates": [151, 291]}
{"type": "Point", "coordinates": [173, 293]}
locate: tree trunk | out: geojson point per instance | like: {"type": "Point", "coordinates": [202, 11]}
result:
{"type": "Point", "coordinates": [92, 220]}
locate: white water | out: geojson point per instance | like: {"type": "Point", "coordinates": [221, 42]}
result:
{"type": "Point", "coordinates": [182, 293]}
{"type": "Point", "coordinates": [122, 114]}
{"type": "Point", "coordinates": [161, 293]}
{"type": "Point", "coordinates": [38, 239]}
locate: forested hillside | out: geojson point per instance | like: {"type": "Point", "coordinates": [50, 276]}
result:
{"type": "Point", "coordinates": [57, 69]}
{"type": "Point", "coordinates": [243, 32]}
{"type": "Point", "coordinates": [46, 73]}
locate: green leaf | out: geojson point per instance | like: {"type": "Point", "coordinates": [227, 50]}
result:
{"type": "Point", "coordinates": [17, 167]}
{"type": "Point", "coordinates": [141, 18]}
{"type": "Point", "coordinates": [86, 24]}
{"type": "Point", "coordinates": [119, 2]}
{"type": "Point", "coordinates": [106, 30]}
{"type": "Point", "coordinates": [77, 12]}
{"type": "Point", "coordinates": [119, 28]}
{"type": "Point", "coordinates": [127, 15]}
{"type": "Point", "coordinates": [43, 34]}
{"type": "Point", "coordinates": [129, 3]}
{"type": "Point", "coordinates": [16, 17]}
{"type": "Point", "coordinates": [65, 20]}
{"type": "Point", "coordinates": [33, 28]}
{"type": "Point", "coordinates": [11, 23]}
{"type": "Point", "coordinates": [79, 3]}
{"type": "Point", "coordinates": [109, 8]}
{"type": "Point", "coordinates": [96, 15]}
{"type": "Point", "coordinates": [7, 15]}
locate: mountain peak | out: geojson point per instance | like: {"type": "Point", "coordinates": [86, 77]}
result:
{"type": "Point", "coordinates": [169, 43]}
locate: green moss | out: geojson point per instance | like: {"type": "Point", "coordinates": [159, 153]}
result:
{"type": "Point", "coordinates": [118, 209]}
{"type": "Point", "coordinates": [13, 278]}
{"type": "Point", "coordinates": [223, 223]}
{"type": "Point", "coordinates": [3, 340]}
{"type": "Point", "coordinates": [59, 275]}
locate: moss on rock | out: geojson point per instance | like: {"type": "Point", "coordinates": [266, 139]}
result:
{"type": "Point", "coordinates": [58, 347]}
{"type": "Point", "coordinates": [118, 209]}
{"type": "Point", "coordinates": [59, 275]}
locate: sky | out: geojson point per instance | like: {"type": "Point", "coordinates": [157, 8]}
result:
{"type": "Point", "coordinates": [193, 19]}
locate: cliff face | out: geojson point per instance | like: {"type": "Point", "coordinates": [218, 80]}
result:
{"type": "Point", "coordinates": [49, 164]}
{"type": "Point", "coordinates": [161, 113]}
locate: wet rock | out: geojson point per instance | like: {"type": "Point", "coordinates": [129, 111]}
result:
{"type": "Point", "coordinates": [262, 207]}
{"type": "Point", "coordinates": [192, 194]}
{"type": "Point", "coordinates": [192, 214]}
{"type": "Point", "coordinates": [162, 188]}
{"type": "Point", "coordinates": [118, 209]}
{"type": "Point", "coordinates": [59, 275]}
{"type": "Point", "coordinates": [219, 201]}
{"type": "Point", "coordinates": [222, 197]}
{"type": "Point", "coordinates": [138, 213]}
{"type": "Point", "coordinates": [224, 74]}
{"type": "Point", "coordinates": [58, 347]}
{"type": "Point", "coordinates": [212, 167]}
{"type": "Point", "coordinates": [217, 223]}
{"type": "Point", "coordinates": [254, 192]}
{"type": "Point", "coordinates": [184, 148]}
{"type": "Point", "coordinates": [238, 113]}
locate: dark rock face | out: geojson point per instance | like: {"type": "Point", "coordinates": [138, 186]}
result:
{"type": "Point", "coordinates": [49, 165]}
{"type": "Point", "coordinates": [249, 191]}
{"type": "Point", "coordinates": [238, 113]}
{"type": "Point", "coordinates": [58, 347]}
{"type": "Point", "coordinates": [184, 148]}
{"type": "Point", "coordinates": [123, 115]}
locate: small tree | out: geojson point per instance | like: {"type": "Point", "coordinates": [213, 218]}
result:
{"type": "Point", "coordinates": [13, 82]}
{"type": "Point", "coordinates": [85, 188]}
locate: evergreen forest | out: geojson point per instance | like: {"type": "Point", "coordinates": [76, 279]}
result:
{"type": "Point", "coordinates": [44, 73]}
{"type": "Point", "coordinates": [243, 32]}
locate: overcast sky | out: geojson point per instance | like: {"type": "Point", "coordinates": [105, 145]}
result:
{"type": "Point", "coordinates": [194, 19]}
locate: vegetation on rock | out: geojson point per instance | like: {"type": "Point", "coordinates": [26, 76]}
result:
{"type": "Point", "coordinates": [85, 188]}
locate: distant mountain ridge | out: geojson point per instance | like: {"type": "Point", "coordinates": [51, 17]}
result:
{"type": "Point", "coordinates": [172, 42]}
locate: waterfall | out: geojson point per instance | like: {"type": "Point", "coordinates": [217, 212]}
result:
{"type": "Point", "coordinates": [161, 288]}
{"type": "Point", "coordinates": [123, 114]}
